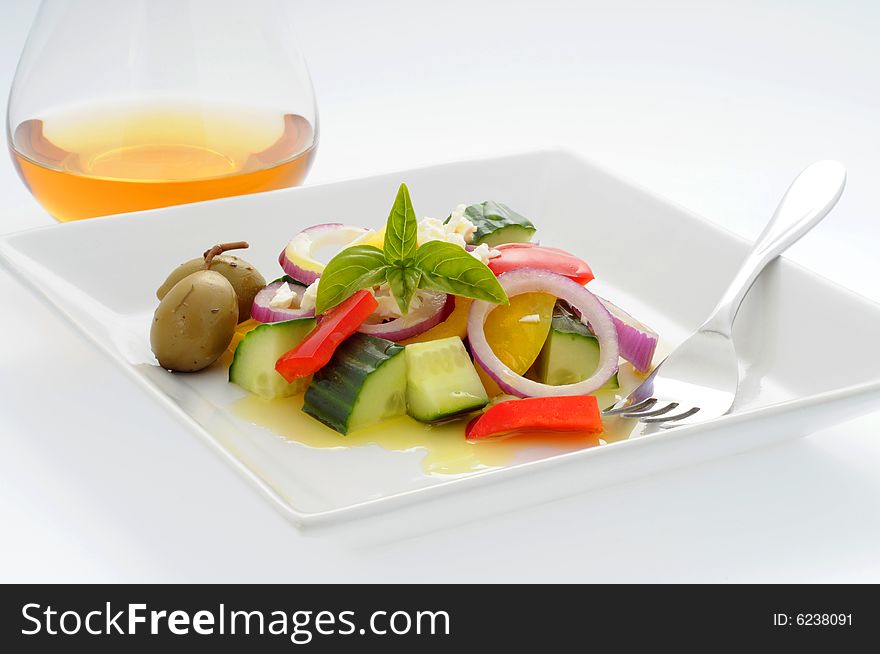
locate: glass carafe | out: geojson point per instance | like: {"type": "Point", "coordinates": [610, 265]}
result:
{"type": "Point", "coordinates": [124, 105]}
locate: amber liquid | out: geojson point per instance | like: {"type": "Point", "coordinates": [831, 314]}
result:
{"type": "Point", "coordinates": [97, 161]}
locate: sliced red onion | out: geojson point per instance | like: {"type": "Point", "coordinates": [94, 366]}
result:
{"type": "Point", "coordinates": [637, 341]}
{"type": "Point", "coordinates": [529, 280]}
{"type": "Point", "coordinates": [299, 258]}
{"type": "Point", "coordinates": [435, 308]}
{"type": "Point", "coordinates": [262, 311]}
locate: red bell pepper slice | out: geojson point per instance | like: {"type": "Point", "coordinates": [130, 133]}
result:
{"type": "Point", "coordinates": [576, 413]}
{"type": "Point", "coordinates": [334, 327]}
{"type": "Point", "coordinates": [529, 255]}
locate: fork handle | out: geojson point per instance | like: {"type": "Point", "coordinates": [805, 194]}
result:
{"type": "Point", "coordinates": [808, 200]}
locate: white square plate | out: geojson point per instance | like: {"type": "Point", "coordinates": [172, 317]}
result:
{"type": "Point", "coordinates": [808, 348]}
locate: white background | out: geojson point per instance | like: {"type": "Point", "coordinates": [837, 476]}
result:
{"type": "Point", "coordinates": [714, 104]}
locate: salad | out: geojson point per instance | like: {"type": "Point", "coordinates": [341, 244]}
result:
{"type": "Point", "coordinates": [457, 319]}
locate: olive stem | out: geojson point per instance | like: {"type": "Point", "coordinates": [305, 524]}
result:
{"type": "Point", "coordinates": [220, 248]}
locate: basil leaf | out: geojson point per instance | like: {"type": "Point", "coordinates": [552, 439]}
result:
{"type": "Point", "coordinates": [447, 267]}
{"type": "Point", "coordinates": [404, 281]}
{"type": "Point", "coordinates": [497, 223]}
{"type": "Point", "coordinates": [353, 269]}
{"type": "Point", "coordinates": [401, 231]}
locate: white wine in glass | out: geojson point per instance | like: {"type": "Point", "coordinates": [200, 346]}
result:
{"type": "Point", "coordinates": [124, 105]}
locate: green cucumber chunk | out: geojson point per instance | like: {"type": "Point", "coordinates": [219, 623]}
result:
{"type": "Point", "coordinates": [253, 366]}
{"type": "Point", "coordinates": [363, 384]}
{"type": "Point", "coordinates": [497, 223]}
{"type": "Point", "coordinates": [441, 380]}
{"type": "Point", "coordinates": [570, 354]}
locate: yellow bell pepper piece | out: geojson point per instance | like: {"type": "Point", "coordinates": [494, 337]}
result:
{"type": "Point", "coordinates": [454, 325]}
{"type": "Point", "coordinates": [517, 332]}
{"type": "Point", "coordinates": [376, 239]}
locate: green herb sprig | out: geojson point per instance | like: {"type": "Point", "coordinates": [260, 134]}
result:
{"type": "Point", "coordinates": [406, 267]}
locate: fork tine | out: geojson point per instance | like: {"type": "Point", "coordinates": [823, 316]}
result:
{"type": "Point", "coordinates": [644, 404]}
{"type": "Point", "coordinates": [657, 412]}
{"type": "Point", "coordinates": [678, 416]}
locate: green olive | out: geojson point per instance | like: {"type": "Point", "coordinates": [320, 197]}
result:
{"type": "Point", "coordinates": [245, 279]}
{"type": "Point", "coordinates": [195, 322]}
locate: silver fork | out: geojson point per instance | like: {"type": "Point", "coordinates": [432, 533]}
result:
{"type": "Point", "coordinates": [698, 381]}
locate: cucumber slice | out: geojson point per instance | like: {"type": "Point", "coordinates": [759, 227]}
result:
{"type": "Point", "coordinates": [441, 380]}
{"type": "Point", "coordinates": [253, 366]}
{"type": "Point", "coordinates": [497, 223]}
{"type": "Point", "coordinates": [570, 354]}
{"type": "Point", "coordinates": [364, 383]}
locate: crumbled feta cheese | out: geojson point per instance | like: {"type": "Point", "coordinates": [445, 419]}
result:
{"type": "Point", "coordinates": [458, 224]}
{"type": "Point", "coordinates": [458, 229]}
{"type": "Point", "coordinates": [388, 308]}
{"type": "Point", "coordinates": [431, 229]}
{"type": "Point", "coordinates": [309, 297]}
{"type": "Point", "coordinates": [483, 252]}
{"type": "Point", "coordinates": [284, 298]}
{"type": "Point", "coordinates": [387, 305]}
{"type": "Point", "coordinates": [532, 318]}
{"type": "Point", "coordinates": [458, 212]}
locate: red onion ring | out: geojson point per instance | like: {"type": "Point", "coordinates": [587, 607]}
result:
{"type": "Point", "coordinates": [303, 244]}
{"type": "Point", "coordinates": [299, 274]}
{"type": "Point", "coordinates": [263, 312]}
{"type": "Point", "coordinates": [435, 308]}
{"type": "Point", "coordinates": [637, 341]}
{"type": "Point", "coordinates": [530, 280]}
